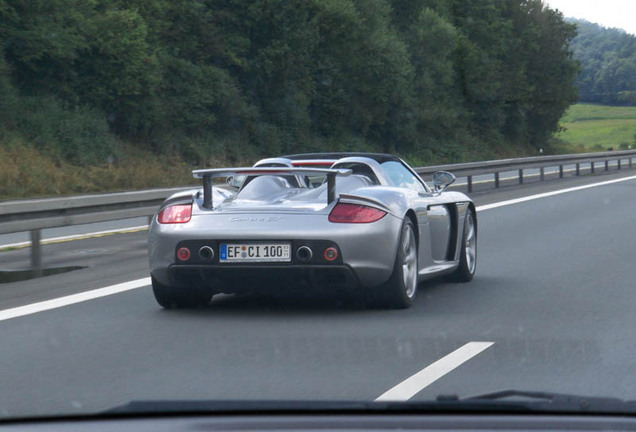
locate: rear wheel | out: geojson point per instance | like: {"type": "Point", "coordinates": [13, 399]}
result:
{"type": "Point", "coordinates": [399, 291]}
{"type": "Point", "coordinates": [171, 297]}
{"type": "Point", "coordinates": [468, 255]}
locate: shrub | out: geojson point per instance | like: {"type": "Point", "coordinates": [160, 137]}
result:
{"type": "Point", "coordinates": [78, 135]}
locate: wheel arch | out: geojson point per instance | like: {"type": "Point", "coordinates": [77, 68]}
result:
{"type": "Point", "coordinates": [454, 250]}
{"type": "Point", "coordinates": [464, 272]}
{"type": "Point", "coordinates": [410, 213]}
{"type": "Point", "coordinates": [471, 206]}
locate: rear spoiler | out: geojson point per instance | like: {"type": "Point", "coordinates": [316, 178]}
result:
{"type": "Point", "coordinates": [208, 174]}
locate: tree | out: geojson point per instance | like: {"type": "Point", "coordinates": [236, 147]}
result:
{"type": "Point", "coordinates": [551, 73]}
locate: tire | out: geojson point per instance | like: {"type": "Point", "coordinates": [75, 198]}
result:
{"type": "Point", "coordinates": [468, 252]}
{"type": "Point", "coordinates": [170, 297]}
{"type": "Point", "coordinates": [399, 291]}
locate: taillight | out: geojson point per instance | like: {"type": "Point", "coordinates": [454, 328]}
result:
{"type": "Point", "coordinates": [174, 214]}
{"type": "Point", "coordinates": [354, 213]}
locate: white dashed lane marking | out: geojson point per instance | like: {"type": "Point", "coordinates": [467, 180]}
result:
{"type": "Point", "coordinates": [427, 376]}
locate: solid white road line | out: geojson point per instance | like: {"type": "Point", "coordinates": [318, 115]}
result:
{"type": "Point", "coordinates": [553, 193]}
{"type": "Point", "coordinates": [72, 299]}
{"type": "Point", "coordinates": [427, 376]}
{"type": "Point", "coordinates": [77, 236]}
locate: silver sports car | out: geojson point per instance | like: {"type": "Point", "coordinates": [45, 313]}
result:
{"type": "Point", "coordinates": [357, 221]}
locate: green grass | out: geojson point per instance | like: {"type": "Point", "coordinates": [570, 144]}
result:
{"type": "Point", "coordinates": [595, 127]}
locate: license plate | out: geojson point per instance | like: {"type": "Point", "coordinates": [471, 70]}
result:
{"type": "Point", "coordinates": [261, 252]}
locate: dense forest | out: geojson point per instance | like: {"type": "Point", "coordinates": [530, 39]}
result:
{"type": "Point", "coordinates": [434, 80]}
{"type": "Point", "coordinates": [608, 64]}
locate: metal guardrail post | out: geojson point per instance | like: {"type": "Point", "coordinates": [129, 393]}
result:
{"type": "Point", "coordinates": [36, 252]}
{"type": "Point", "coordinates": [496, 180]}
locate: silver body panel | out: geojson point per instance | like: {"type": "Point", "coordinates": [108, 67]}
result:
{"type": "Point", "coordinates": [269, 209]}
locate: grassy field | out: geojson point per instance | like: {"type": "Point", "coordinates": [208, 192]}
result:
{"type": "Point", "coordinates": [598, 127]}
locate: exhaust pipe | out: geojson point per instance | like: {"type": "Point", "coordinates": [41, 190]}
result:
{"type": "Point", "coordinates": [206, 253]}
{"type": "Point", "coordinates": [304, 253]}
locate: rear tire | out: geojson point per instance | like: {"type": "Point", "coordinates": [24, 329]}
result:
{"type": "Point", "coordinates": [468, 255]}
{"type": "Point", "coordinates": [170, 297]}
{"type": "Point", "coordinates": [399, 291]}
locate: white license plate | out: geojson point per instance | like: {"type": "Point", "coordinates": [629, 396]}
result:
{"type": "Point", "coordinates": [261, 252]}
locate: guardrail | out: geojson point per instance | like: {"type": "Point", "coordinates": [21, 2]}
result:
{"type": "Point", "coordinates": [38, 214]}
{"type": "Point", "coordinates": [35, 215]}
{"type": "Point", "coordinates": [496, 167]}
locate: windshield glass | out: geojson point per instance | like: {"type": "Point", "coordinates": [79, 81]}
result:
{"type": "Point", "coordinates": [402, 177]}
{"type": "Point", "coordinates": [330, 271]}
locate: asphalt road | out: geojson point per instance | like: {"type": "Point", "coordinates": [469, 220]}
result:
{"type": "Point", "coordinates": [554, 294]}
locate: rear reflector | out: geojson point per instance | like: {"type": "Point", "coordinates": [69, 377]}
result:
{"type": "Point", "coordinates": [331, 253]}
{"type": "Point", "coordinates": [183, 254]}
{"type": "Point", "coordinates": [174, 214]}
{"type": "Point", "coordinates": [354, 213]}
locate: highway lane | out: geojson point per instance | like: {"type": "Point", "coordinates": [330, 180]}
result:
{"type": "Point", "coordinates": [553, 292]}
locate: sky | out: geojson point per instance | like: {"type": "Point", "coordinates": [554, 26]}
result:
{"type": "Point", "coordinates": [608, 13]}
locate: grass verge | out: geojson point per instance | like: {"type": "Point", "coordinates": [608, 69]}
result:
{"type": "Point", "coordinates": [27, 172]}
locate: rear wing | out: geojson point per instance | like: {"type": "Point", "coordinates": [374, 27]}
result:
{"type": "Point", "coordinates": [208, 174]}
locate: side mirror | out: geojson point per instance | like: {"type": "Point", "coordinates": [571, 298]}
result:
{"type": "Point", "coordinates": [442, 180]}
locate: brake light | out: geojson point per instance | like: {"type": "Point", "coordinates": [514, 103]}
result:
{"type": "Point", "coordinates": [354, 213]}
{"type": "Point", "coordinates": [174, 214]}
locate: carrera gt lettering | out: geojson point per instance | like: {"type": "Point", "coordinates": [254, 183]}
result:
{"type": "Point", "coordinates": [255, 219]}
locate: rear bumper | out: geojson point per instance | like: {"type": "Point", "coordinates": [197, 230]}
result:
{"type": "Point", "coordinates": [366, 251]}
{"type": "Point", "coordinates": [238, 279]}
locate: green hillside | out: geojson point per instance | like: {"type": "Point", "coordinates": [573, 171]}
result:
{"type": "Point", "coordinates": [92, 89]}
{"type": "Point", "coordinates": [608, 64]}
{"type": "Point", "coordinates": [599, 127]}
